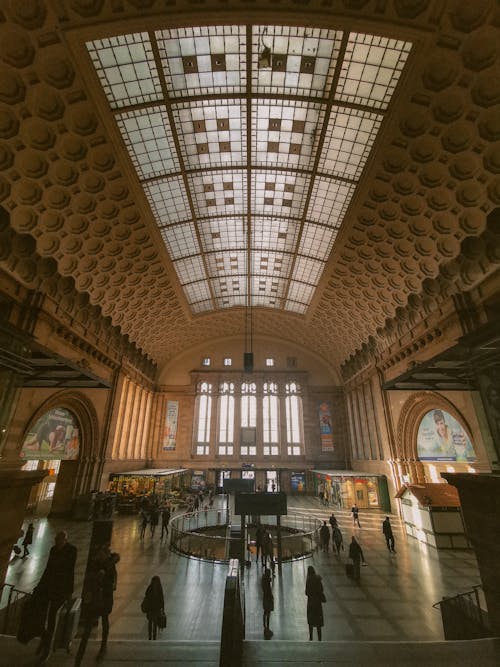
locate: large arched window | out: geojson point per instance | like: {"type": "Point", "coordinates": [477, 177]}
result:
{"type": "Point", "coordinates": [254, 417]}
{"type": "Point", "coordinates": [226, 419]}
{"type": "Point", "coordinates": [293, 409]}
{"type": "Point", "coordinates": [270, 419]}
{"type": "Point", "coordinates": [204, 418]}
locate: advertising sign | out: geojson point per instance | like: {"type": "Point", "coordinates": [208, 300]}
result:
{"type": "Point", "coordinates": [441, 438]}
{"type": "Point", "coordinates": [325, 426]}
{"type": "Point", "coordinates": [170, 431]}
{"type": "Point", "coordinates": [198, 480]}
{"type": "Point", "coordinates": [298, 482]}
{"type": "Point", "coordinates": [53, 436]}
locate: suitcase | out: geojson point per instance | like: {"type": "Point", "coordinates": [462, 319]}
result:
{"type": "Point", "coordinates": [67, 621]}
{"type": "Point", "coordinates": [31, 622]}
{"type": "Point", "coordinates": [349, 570]}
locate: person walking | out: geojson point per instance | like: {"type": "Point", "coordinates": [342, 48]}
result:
{"type": "Point", "coordinates": [338, 540]}
{"type": "Point", "coordinates": [153, 606]}
{"type": "Point", "coordinates": [267, 549]}
{"type": "Point", "coordinates": [259, 534]}
{"type": "Point", "coordinates": [154, 518]}
{"type": "Point", "coordinates": [355, 515]}
{"type": "Point", "coordinates": [55, 587]}
{"type": "Point", "coordinates": [388, 534]}
{"type": "Point", "coordinates": [28, 539]}
{"type": "Point", "coordinates": [98, 596]}
{"type": "Point", "coordinates": [333, 521]}
{"type": "Point", "coordinates": [165, 520]}
{"type": "Point", "coordinates": [324, 534]}
{"type": "Point", "coordinates": [144, 523]}
{"type": "Point", "coordinates": [357, 557]}
{"type": "Point", "coordinates": [315, 599]}
{"type": "Point", "coordinates": [267, 602]}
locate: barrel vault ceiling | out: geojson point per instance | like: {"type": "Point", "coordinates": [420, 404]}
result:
{"type": "Point", "coordinates": [321, 166]}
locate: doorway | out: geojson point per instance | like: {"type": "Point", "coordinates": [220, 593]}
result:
{"type": "Point", "coordinates": [272, 484]}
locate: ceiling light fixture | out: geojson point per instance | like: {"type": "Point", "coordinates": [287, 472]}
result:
{"type": "Point", "coordinates": [248, 353]}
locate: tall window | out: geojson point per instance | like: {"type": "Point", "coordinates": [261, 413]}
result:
{"type": "Point", "coordinates": [226, 419]}
{"type": "Point", "coordinates": [293, 407]}
{"type": "Point", "coordinates": [248, 419]}
{"type": "Point", "coordinates": [252, 416]}
{"type": "Point", "coordinates": [270, 422]}
{"type": "Point", "coordinates": [204, 417]}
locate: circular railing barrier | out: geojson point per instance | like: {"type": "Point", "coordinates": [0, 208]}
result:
{"type": "Point", "coordinates": [207, 535]}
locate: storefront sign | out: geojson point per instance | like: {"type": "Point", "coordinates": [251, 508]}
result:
{"type": "Point", "coordinates": [325, 427]}
{"type": "Point", "coordinates": [170, 432]}
{"type": "Point", "coordinates": [441, 438]}
{"type": "Point", "coordinates": [53, 436]}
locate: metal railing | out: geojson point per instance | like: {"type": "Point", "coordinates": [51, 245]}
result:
{"type": "Point", "coordinates": [11, 604]}
{"type": "Point", "coordinates": [463, 617]}
{"type": "Point", "coordinates": [233, 618]}
{"type": "Point", "coordinates": [206, 535]}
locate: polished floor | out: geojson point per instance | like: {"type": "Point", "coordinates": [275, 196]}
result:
{"type": "Point", "coordinates": [392, 602]}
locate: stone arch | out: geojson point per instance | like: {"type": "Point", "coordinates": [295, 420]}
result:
{"type": "Point", "coordinates": [417, 405]}
{"type": "Point", "coordinates": [82, 408]}
{"type": "Point", "coordinates": [78, 476]}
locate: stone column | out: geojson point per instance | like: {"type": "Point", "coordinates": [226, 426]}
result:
{"type": "Point", "coordinates": [480, 500]}
{"type": "Point", "coordinates": [15, 487]}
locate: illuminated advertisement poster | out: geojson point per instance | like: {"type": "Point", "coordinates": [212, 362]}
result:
{"type": "Point", "coordinates": [53, 436]}
{"type": "Point", "coordinates": [441, 438]}
{"type": "Point", "coordinates": [325, 427]}
{"type": "Point", "coordinates": [198, 480]}
{"type": "Point", "coordinates": [297, 482]}
{"type": "Point", "coordinates": [170, 432]}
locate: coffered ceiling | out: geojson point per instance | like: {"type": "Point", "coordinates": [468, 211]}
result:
{"type": "Point", "coordinates": [178, 163]}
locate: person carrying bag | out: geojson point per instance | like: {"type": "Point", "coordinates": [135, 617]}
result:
{"type": "Point", "coordinates": [153, 606]}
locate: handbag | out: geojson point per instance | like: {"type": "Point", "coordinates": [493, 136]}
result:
{"type": "Point", "coordinates": [144, 606]}
{"type": "Point", "coordinates": [162, 620]}
{"type": "Point", "coordinates": [323, 597]}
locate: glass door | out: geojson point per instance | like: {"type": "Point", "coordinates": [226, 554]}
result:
{"type": "Point", "coordinates": [272, 481]}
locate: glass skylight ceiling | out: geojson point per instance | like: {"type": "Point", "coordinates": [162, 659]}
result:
{"type": "Point", "coordinates": [249, 167]}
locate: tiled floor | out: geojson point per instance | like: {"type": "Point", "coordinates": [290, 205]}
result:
{"type": "Point", "coordinates": [392, 602]}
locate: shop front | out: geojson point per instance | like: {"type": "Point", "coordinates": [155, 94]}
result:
{"type": "Point", "coordinates": [345, 488]}
{"type": "Point", "coordinates": [159, 482]}
{"type": "Point", "coordinates": [269, 479]}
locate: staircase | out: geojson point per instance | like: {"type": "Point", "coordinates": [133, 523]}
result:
{"type": "Point", "coordinates": [481, 652]}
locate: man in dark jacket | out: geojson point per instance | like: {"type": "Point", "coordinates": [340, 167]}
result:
{"type": "Point", "coordinates": [357, 557]}
{"type": "Point", "coordinates": [388, 534]}
{"type": "Point", "coordinates": [98, 593]}
{"type": "Point", "coordinates": [165, 520]}
{"type": "Point", "coordinates": [56, 586]}
{"type": "Point", "coordinates": [324, 533]}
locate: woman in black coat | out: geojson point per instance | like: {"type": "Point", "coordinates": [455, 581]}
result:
{"type": "Point", "coordinates": [28, 539]}
{"type": "Point", "coordinates": [267, 600]}
{"type": "Point", "coordinates": [153, 605]}
{"type": "Point", "coordinates": [315, 599]}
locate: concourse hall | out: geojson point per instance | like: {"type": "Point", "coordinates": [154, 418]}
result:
{"type": "Point", "coordinates": [253, 241]}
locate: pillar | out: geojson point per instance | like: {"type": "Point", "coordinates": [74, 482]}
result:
{"type": "Point", "coordinates": [480, 500]}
